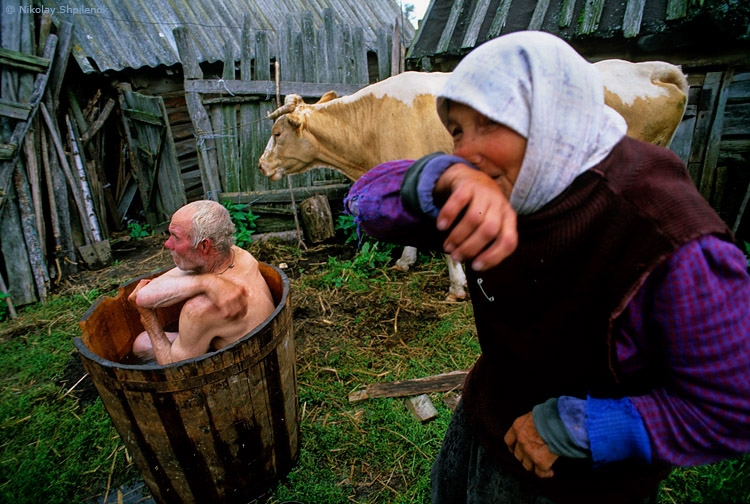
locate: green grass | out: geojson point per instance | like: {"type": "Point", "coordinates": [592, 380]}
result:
{"type": "Point", "coordinates": [52, 449]}
{"type": "Point", "coordinates": [357, 322]}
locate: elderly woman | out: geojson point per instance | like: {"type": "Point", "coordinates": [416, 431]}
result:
{"type": "Point", "coordinates": [611, 303]}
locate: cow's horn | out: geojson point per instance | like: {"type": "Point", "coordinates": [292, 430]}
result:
{"type": "Point", "coordinates": [284, 109]}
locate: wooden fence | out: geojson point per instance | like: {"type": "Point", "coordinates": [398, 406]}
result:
{"type": "Point", "coordinates": [229, 111]}
{"type": "Point", "coordinates": [714, 140]}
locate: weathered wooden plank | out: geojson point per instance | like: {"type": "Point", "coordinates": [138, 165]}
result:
{"type": "Point", "coordinates": [21, 61]}
{"type": "Point", "coordinates": [437, 383]}
{"type": "Point", "coordinates": [592, 14]}
{"type": "Point", "coordinates": [362, 73]}
{"type": "Point", "coordinates": [10, 151]}
{"type": "Point", "coordinates": [683, 138]}
{"type": "Point", "coordinates": [707, 184]}
{"type": "Point", "coordinates": [631, 20]}
{"type": "Point", "coordinates": [537, 18]}
{"type": "Point", "coordinates": [246, 50]}
{"type": "Point", "coordinates": [501, 16]}
{"type": "Point", "coordinates": [740, 89]}
{"type": "Point", "coordinates": [198, 115]}
{"type": "Point", "coordinates": [384, 60]}
{"type": "Point", "coordinates": [263, 88]}
{"type": "Point", "coordinates": [60, 64]}
{"type": "Point", "coordinates": [566, 13]}
{"type": "Point", "coordinates": [742, 210]}
{"type": "Point", "coordinates": [475, 23]}
{"type": "Point", "coordinates": [16, 257]}
{"type": "Point", "coordinates": [737, 118]}
{"type": "Point", "coordinates": [30, 236]}
{"type": "Point", "coordinates": [144, 117]}
{"type": "Point", "coordinates": [704, 119]}
{"type": "Point", "coordinates": [191, 68]}
{"type": "Point", "coordinates": [450, 26]}
{"type": "Point", "coordinates": [309, 49]}
{"type": "Point", "coordinates": [676, 9]}
{"type": "Point", "coordinates": [224, 128]}
{"type": "Point", "coordinates": [15, 110]}
{"type": "Point", "coordinates": [332, 192]}
{"type": "Point", "coordinates": [332, 67]}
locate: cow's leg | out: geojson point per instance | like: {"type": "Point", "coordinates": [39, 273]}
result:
{"type": "Point", "coordinates": [458, 280]}
{"type": "Point", "coordinates": [407, 260]}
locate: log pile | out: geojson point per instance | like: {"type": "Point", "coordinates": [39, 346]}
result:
{"type": "Point", "coordinates": [53, 198]}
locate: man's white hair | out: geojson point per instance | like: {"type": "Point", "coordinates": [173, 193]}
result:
{"type": "Point", "coordinates": [211, 220]}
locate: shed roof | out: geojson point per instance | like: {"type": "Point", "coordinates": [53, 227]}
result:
{"type": "Point", "coordinates": [111, 35]}
{"type": "Point", "coordinates": [455, 27]}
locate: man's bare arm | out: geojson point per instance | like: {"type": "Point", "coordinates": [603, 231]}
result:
{"type": "Point", "coordinates": [176, 286]}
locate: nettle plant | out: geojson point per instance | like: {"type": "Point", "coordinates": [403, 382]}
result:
{"type": "Point", "coordinates": [244, 222]}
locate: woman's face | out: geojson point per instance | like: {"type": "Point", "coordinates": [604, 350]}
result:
{"type": "Point", "coordinates": [490, 146]}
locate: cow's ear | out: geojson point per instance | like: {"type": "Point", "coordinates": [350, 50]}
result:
{"type": "Point", "coordinates": [330, 95]}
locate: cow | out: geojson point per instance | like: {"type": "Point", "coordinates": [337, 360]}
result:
{"type": "Point", "coordinates": [397, 119]}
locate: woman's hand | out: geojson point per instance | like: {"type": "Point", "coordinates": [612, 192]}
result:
{"type": "Point", "coordinates": [525, 443]}
{"type": "Point", "coordinates": [481, 221]}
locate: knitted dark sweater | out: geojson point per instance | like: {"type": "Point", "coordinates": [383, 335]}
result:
{"type": "Point", "coordinates": [545, 315]}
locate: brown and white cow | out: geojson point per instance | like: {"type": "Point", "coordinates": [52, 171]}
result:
{"type": "Point", "coordinates": [397, 119]}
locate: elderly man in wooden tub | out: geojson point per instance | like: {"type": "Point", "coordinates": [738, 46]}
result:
{"type": "Point", "coordinates": [224, 293]}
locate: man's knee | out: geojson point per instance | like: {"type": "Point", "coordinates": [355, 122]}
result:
{"type": "Point", "coordinates": [142, 345]}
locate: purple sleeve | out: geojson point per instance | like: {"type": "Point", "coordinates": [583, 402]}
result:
{"type": "Point", "coordinates": [694, 315]}
{"type": "Point", "coordinates": [696, 310]}
{"type": "Point", "coordinates": [375, 202]}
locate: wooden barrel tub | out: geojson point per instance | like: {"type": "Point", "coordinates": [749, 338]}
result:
{"type": "Point", "coordinates": [219, 428]}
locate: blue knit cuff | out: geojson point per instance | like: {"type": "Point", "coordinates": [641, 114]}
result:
{"type": "Point", "coordinates": [616, 431]}
{"type": "Point", "coordinates": [431, 172]}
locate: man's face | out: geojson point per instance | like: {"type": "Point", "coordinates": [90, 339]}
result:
{"type": "Point", "coordinates": [179, 243]}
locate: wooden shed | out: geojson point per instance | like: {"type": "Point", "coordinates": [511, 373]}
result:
{"type": "Point", "coordinates": [106, 112]}
{"type": "Point", "coordinates": [710, 39]}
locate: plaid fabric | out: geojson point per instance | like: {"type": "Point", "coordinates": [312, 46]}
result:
{"type": "Point", "coordinates": [693, 315]}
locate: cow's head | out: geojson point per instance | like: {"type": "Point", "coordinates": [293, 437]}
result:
{"type": "Point", "coordinates": [291, 148]}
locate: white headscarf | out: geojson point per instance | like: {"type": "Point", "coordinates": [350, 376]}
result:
{"type": "Point", "coordinates": [536, 84]}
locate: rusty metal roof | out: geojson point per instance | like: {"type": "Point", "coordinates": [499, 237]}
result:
{"type": "Point", "coordinates": [454, 27]}
{"type": "Point", "coordinates": [111, 35]}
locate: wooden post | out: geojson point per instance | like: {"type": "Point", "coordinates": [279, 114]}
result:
{"type": "Point", "coordinates": [317, 219]}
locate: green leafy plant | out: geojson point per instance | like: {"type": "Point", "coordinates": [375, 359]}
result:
{"type": "Point", "coordinates": [747, 253]}
{"type": "Point", "coordinates": [139, 231]}
{"type": "Point", "coordinates": [244, 222]}
{"type": "Point", "coordinates": [345, 223]}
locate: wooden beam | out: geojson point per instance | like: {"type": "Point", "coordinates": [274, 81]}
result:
{"type": "Point", "coordinates": [331, 191]}
{"type": "Point", "coordinates": [145, 117]}
{"type": "Point", "coordinates": [540, 11]}
{"type": "Point", "coordinates": [475, 24]}
{"type": "Point", "coordinates": [592, 14]}
{"type": "Point", "coordinates": [437, 383]}
{"type": "Point", "coordinates": [566, 13]}
{"type": "Point", "coordinates": [712, 148]}
{"type": "Point", "coordinates": [21, 61]}
{"type": "Point", "coordinates": [15, 110]}
{"type": "Point", "coordinates": [676, 9]}
{"type": "Point", "coordinates": [265, 87]}
{"type": "Point", "coordinates": [450, 27]}
{"type": "Point", "coordinates": [631, 20]}
{"type": "Point", "coordinates": [500, 18]}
